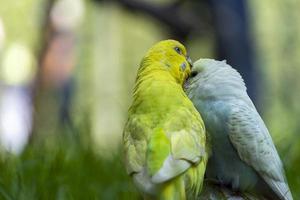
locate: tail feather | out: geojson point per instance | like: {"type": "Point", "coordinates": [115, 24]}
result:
{"type": "Point", "coordinates": [280, 188]}
{"type": "Point", "coordinates": [173, 190]}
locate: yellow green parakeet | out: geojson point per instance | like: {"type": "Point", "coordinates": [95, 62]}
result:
{"type": "Point", "coordinates": [164, 137]}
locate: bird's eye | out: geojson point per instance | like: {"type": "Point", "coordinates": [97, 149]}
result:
{"type": "Point", "coordinates": [178, 50]}
{"type": "Point", "coordinates": [193, 74]}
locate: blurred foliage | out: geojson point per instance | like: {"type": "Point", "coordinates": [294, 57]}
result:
{"type": "Point", "coordinates": [276, 31]}
{"type": "Point", "coordinates": [19, 17]}
{"type": "Point", "coordinates": [84, 162]}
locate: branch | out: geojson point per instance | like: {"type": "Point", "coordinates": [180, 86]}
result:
{"type": "Point", "coordinates": [46, 32]}
{"type": "Point", "coordinates": [216, 192]}
{"type": "Point", "coordinates": [179, 22]}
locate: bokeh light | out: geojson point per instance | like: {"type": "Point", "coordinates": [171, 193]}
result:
{"type": "Point", "coordinates": [67, 70]}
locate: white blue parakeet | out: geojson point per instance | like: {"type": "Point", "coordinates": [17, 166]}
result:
{"type": "Point", "coordinates": [243, 155]}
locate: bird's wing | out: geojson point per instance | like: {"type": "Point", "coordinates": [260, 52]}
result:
{"type": "Point", "coordinates": [254, 145]}
{"type": "Point", "coordinates": [156, 155]}
{"type": "Point", "coordinates": [135, 144]}
{"type": "Point", "coordinates": [170, 154]}
{"type": "Point", "coordinates": [165, 154]}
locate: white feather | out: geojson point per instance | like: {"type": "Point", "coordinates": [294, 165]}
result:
{"type": "Point", "coordinates": [170, 169]}
{"type": "Point", "coordinates": [217, 81]}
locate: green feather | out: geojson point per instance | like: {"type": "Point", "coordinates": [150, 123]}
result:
{"type": "Point", "coordinates": [158, 150]}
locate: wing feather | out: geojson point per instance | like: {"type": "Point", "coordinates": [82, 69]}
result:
{"type": "Point", "coordinates": [250, 137]}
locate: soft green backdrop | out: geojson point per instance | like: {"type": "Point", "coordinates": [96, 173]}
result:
{"type": "Point", "coordinates": [110, 42]}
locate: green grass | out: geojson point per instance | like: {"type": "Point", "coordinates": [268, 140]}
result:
{"type": "Point", "coordinates": [63, 169]}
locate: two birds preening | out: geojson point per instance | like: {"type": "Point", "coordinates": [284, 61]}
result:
{"type": "Point", "coordinates": [170, 148]}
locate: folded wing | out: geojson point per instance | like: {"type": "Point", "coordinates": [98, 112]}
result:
{"type": "Point", "coordinates": [254, 145]}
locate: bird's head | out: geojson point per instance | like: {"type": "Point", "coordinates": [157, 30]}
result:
{"type": "Point", "coordinates": [171, 56]}
{"type": "Point", "coordinates": [210, 78]}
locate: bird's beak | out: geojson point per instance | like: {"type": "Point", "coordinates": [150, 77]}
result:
{"type": "Point", "coordinates": [189, 60]}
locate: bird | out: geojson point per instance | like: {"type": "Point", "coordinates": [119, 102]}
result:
{"type": "Point", "coordinates": [243, 156]}
{"type": "Point", "coordinates": [164, 139]}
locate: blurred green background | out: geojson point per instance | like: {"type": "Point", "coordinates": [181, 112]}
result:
{"type": "Point", "coordinates": [67, 69]}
